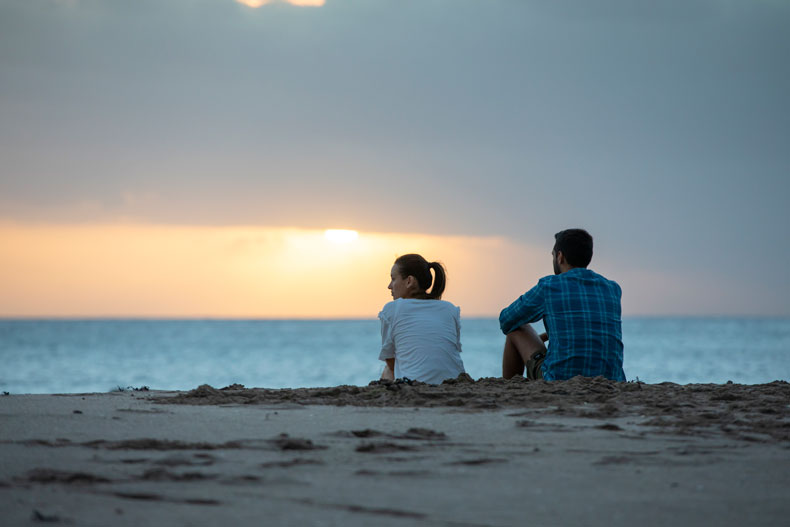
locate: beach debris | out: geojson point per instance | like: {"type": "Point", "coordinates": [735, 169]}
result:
{"type": "Point", "coordinates": [120, 388]}
{"type": "Point", "coordinates": [383, 447]}
{"type": "Point", "coordinates": [395, 473]}
{"type": "Point", "coordinates": [609, 426]}
{"type": "Point", "coordinates": [201, 501]}
{"type": "Point", "coordinates": [142, 411]}
{"type": "Point", "coordinates": [366, 433]}
{"type": "Point", "coordinates": [154, 444]}
{"type": "Point", "coordinates": [201, 460]}
{"type": "Point", "coordinates": [285, 442]}
{"type": "Point", "coordinates": [741, 411]}
{"type": "Point", "coordinates": [144, 496]}
{"type": "Point", "coordinates": [39, 516]}
{"type": "Point", "coordinates": [359, 508]}
{"type": "Point", "coordinates": [160, 444]}
{"type": "Point", "coordinates": [292, 463]}
{"type": "Point", "coordinates": [421, 433]}
{"type": "Point", "coordinates": [537, 426]}
{"type": "Point", "coordinates": [396, 383]}
{"type": "Point", "coordinates": [147, 496]}
{"type": "Point", "coordinates": [614, 460]}
{"type": "Point", "coordinates": [462, 378]}
{"type": "Point", "coordinates": [205, 390]}
{"type": "Point", "coordinates": [47, 475]}
{"type": "Point", "coordinates": [478, 461]}
{"type": "Point", "coordinates": [410, 434]}
{"type": "Point", "coordinates": [245, 478]}
{"type": "Point", "coordinates": [160, 474]}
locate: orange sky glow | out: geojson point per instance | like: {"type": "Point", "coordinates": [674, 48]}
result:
{"type": "Point", "coordinates": [172, 271]}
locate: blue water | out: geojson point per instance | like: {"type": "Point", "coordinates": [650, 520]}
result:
{"type": "Point", "coordinates": [73, 356]}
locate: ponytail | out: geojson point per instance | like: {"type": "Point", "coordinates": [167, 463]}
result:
{"type": "Point", "coordinates": [439, 281]}
{"type": "Point", "coordinates": [418, 267]}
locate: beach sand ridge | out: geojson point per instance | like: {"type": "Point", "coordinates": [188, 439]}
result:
{"type": "Point", "coordinates": [752, 412]}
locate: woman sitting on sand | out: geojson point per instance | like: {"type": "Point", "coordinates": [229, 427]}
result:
{"type": "Point", "coordinates": [420, 333]}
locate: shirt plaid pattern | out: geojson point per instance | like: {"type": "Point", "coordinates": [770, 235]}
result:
{"type": "Point", "coordinates": [582, 314]}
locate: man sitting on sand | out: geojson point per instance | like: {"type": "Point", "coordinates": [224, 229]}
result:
{"type": "Point", "coordinates": [581, 312]}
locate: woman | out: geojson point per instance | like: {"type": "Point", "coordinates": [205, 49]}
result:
{"type": "Point", "coordinates": [420, 333]}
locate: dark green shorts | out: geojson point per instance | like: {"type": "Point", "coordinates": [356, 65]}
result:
{"type": "Point", "coordinates": [535, 366]}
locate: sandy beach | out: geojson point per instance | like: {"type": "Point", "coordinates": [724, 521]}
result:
{"type": "Point", "coordinates": [490, 452]}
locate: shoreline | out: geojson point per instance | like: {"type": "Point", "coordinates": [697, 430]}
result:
{"type": "Point", "coordinates": [486, 452]}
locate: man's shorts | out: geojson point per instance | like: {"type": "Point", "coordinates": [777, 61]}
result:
{"type": "Point", "coordinates": [535, 366]}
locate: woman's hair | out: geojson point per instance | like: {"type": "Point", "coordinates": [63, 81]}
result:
{"type": "Point", "coordinates": [418, 267]}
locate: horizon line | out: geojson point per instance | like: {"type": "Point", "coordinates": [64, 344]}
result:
{"type": "Point", "coordinates": [217, 318]}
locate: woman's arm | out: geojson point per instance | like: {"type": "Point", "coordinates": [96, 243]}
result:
{"type": "Point", "coordinates": [389, 370]}
{"type": "Point", "coordinates": [387, 344]}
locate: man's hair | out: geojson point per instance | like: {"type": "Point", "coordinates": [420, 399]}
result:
{"type": "Point", "coordinates": [576, 245]}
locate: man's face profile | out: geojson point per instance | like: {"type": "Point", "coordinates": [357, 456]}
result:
{"type": "Point", "coordinates": [555, 263]}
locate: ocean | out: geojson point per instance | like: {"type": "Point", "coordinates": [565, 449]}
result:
{"type": "Point", "coordinates": [78, 356]}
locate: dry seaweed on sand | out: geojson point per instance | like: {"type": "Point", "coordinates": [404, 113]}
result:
{"type": "Point", "coordinates": [735, 408]}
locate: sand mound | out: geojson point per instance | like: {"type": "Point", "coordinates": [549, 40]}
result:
{"type": "Point", "coordinates": [753, 412]}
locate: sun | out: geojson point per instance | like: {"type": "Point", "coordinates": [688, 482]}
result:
{"type": "Point", "coordinates": [340, 235]}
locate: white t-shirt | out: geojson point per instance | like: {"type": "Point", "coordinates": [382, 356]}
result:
{"type": "Point", "coordinates": [424, 338]}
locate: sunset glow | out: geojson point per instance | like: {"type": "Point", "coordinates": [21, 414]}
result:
{"type": "Point", "coordinates": [255, 272]}
{"type": "Point", "coordinates": [341, 235]}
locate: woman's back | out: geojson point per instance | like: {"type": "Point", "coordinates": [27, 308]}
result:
{"type": "Point", "coordinates": [426, 335]}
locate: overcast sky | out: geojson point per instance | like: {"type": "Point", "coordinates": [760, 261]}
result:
{"type": "Point", "coordinates": [662, 127]}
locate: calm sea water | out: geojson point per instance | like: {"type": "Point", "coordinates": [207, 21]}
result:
{"type": "Point", "coordinates": [72, 356]}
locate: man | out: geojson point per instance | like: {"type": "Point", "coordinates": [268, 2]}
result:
{"type": "Point", "coordinates": [581, 312]}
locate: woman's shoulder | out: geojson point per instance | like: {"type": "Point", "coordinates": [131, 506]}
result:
{"type": "Point", "coordinates": [388, 309]}
{"type": "Point", "coordinates": [444, 304]}
{"type": "Point", "coordinates": [400, 304]}
{"type": "Point", "coordinates": [449, 306]}
{"type": "Point", "coordinates": [435, 306]}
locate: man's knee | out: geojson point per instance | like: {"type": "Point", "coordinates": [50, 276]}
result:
{"type": "Point", "coordinates": [525, 337]}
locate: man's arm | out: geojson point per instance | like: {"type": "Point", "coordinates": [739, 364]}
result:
{"type": "Point", "coordinates": [526, 309]}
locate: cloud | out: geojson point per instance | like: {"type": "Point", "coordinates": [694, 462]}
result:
{"type": "Point", "coordinates": [510, 119]}
{"type": "Point", "coordinates": [301, 3]}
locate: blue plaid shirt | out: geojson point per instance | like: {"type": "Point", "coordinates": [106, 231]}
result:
{"type": "Point", "coordinates": [581, 312]}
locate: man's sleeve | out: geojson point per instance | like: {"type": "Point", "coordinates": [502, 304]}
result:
{"type": "Point", "coordinates": [527, 308]}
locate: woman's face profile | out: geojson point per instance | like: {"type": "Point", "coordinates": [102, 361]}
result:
{"type": "Point", "coordinates": [398, 284]}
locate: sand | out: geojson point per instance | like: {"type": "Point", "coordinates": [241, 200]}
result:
{"type": "Point", "coordinates": [491, 452]}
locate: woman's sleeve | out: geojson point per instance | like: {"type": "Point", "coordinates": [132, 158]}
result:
{"type": "Point", "coordinates": [387, 341]}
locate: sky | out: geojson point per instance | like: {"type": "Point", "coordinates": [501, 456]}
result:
{"type": "Point", "coordinates": [143, 143]}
